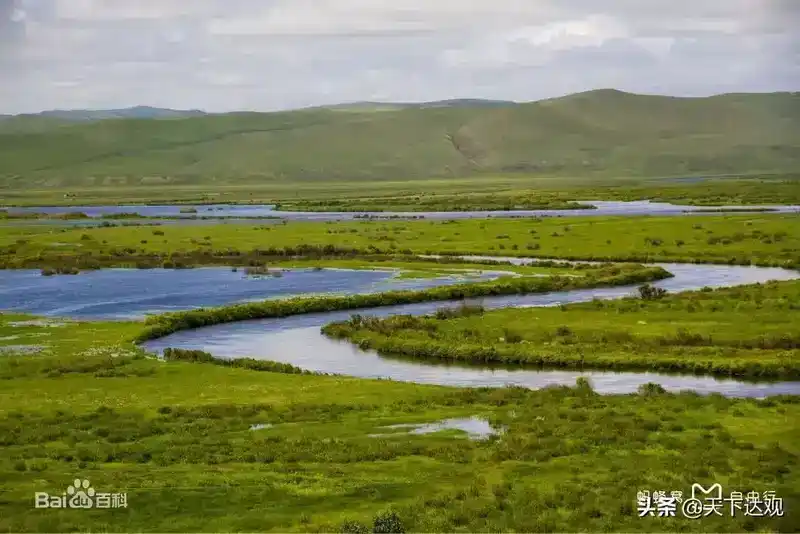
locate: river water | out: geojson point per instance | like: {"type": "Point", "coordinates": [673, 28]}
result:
{"type": "Point", "coordinates": [297, 340]}
{"type": "Point", "coordinates": [130, 294]}
{"type": "Point", "coordinates": [248, 212]}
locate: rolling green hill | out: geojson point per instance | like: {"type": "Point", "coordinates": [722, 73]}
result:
{"type": "Point", "coordinates": [603, 133]}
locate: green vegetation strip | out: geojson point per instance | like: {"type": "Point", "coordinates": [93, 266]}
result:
{"type": "Point", "coordinates": [162, 325]}
{"type": "Point", "coordinates": [198, 356]}
{"type": "Point", "coordinates": [423, 203]}
{"type": "Point", "coordinates": [714, 192]}
{"type": "Point", "coordinates": [745, 332]}
{"type": "Point", "coordinates": [743, 239]}
{"type": "Point", "coordinates": [7, 215]}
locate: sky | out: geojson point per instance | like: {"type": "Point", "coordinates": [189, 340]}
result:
{"type": "Point", "coordinates": [265, 55]}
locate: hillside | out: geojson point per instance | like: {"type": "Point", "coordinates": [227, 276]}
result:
{"type": "Point", "coordinates": [603, 133]}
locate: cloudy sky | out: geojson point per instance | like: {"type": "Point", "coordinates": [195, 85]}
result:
{"type": "Point", "coordinates": [221, 55]}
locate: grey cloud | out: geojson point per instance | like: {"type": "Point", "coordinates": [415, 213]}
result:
{"type": "Point", "coordinates": [273, 54]}
{"type": "Point", "coordinates": [12, 22]}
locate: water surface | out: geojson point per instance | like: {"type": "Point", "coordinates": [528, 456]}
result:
{"type": "Point", "coordinates": [133, 293]}
{"type": "Point", "coordinates": [297, 340]}
{"type": "Point", "coordinates": [242, 212]}
{"type": "Point", "coordinates": [475, 428]}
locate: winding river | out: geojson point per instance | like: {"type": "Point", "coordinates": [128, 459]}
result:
{"type": "Point", "coordinates": [297, 340]}
{"type": "Point", "coordinates": [119, 294]}
{"type": "Point", "coordinates": [246, 213]}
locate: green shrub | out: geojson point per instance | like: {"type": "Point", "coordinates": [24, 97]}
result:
{"type": "Point", "coordinates": [353, 527]}
{"type": "Point", "coordinates": [387, 523]}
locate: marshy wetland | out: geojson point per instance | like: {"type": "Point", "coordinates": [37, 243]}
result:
{"type": "Point", "coordinates": [321, 399]}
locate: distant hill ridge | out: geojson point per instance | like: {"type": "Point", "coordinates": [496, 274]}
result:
{"type": "Point", "coordinates": [147, 112]}
{"type": "Point", "coordinates": [595, 133]}
{"type": "Point", "coordinates": [137, 112]}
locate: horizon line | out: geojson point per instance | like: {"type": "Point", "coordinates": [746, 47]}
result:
{"type": "Point", "coordinates": [387, 103]}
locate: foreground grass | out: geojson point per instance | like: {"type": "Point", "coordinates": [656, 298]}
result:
{"type": "Point", "coordinates": [739, 239]}
{"type": "Point", "coordinates": [176, 437]}
{"type": "Point", "coordinates": [742, 332]}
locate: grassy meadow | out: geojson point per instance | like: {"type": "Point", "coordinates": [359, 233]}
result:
{"type": "Point", "coordinates": [768, 239]}
{"type": "Point", "coordinates": [176, 437]}
{"type": "Point", "coordinates": [486, 191]}
{"type": "Point", "coordinates": [766, 191]}
{"type": "Point", "coordinates": [202, 446]}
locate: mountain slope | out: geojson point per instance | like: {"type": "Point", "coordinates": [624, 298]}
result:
{"type": "Point", "coordinates": [605, 132]}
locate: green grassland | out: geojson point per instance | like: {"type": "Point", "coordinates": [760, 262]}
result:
{"type": "Point", "coordinates": [744, 332]}
{"type": "Point", "coordinates": [176, 437]}
{"type": "Point", "coordinates": [767, 239]}
{"type": "Point", "coordinates": [422, 203]}
{"type": "Point", "coordinates": [601, 133]}
{"type": "Point", "coordinates": [717, 192]}
{"type": "Point", "coordinates": [493, 191]}
{"type": "Point", "coordinates": [274, 190]}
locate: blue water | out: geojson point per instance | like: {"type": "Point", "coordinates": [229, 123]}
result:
{"type": "Point", "coordinates": [244, 212]}
{"type": "Point", "coordinates": [133, 293]}
{"type": "Point", "coordinates": [216, 210]}
{"type": "Point", "coordinates": [297, 340]}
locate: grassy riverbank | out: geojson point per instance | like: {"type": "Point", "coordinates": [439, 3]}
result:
{"type": "Point", "coordinates": [483, 192]}
{"type": "Point", "coordinates": [176, 437]}
{"type": "Point", "coordinates": [766, 239]}
{"type": "Point", "coordinates": [165, 324]}
{"type": "Point", "coordinates": [718, 192]}
{"type": "Point", "coordinates": [740, 332]}
{"type": "Point", "coordinates": [421, 203]}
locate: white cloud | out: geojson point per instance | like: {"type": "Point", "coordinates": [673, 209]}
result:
{"type": "Point", "coordinates": [272, 54]}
